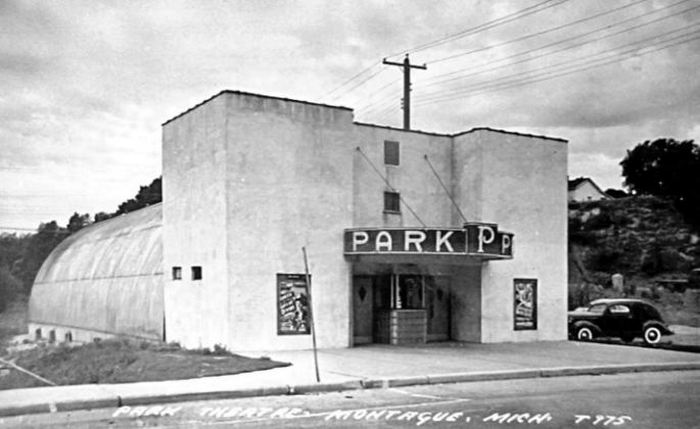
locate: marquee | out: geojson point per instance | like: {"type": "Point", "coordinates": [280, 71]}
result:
{"type": "Point", "coordinates": [474, 239]}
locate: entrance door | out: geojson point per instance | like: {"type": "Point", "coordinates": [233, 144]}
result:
{"type": "Point", "coordinates": [437, 293]}
{"type": "Point", "coordinates": [362, 304]}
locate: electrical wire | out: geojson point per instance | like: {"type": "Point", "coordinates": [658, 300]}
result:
{"type": "Point", "coordinates": [433, 82]}
{"type": "Point", "coordinates": [356, 76]}
{"type": "Point", "coordinates": [539, 7]}
{"type": "Point", "coordinates": [565, 63]}
{"type": "Point", "coordinates": [529, 36]}
{"type": "Point", "coordinates": [548, 76]}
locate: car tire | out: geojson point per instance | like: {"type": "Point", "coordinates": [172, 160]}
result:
{"type": "Point", "coordinates": [584, 333]}
{"type": "Point", "coordinates": [652, 335]}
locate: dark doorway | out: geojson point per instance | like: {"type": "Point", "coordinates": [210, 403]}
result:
{"type": "Point", "coordinates": [437, 294]}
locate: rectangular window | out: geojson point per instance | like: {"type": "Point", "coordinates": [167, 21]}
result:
{"type": "Point", "coordinates": [177, 273]}
{"type": "Point", "coordinates": [392, 202]}
{"type": "Point", "coordinates": [391, 152]}
{"type": "Point", "coordinates": [196, 273]}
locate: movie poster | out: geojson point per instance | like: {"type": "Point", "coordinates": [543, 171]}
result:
{"type": "Point", "coordinates": [525, 304]}
{"type": "Point", "coordinates": [292, 305]}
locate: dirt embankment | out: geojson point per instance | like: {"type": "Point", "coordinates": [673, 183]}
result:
{"type": "Point", "coordinates": [645, 240]}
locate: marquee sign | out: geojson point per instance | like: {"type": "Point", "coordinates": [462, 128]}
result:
{"type": "Point", "coordinates": [475, 239]}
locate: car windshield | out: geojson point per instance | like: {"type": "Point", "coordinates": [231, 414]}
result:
{"type": "Point", "coordinates": [597, 308]}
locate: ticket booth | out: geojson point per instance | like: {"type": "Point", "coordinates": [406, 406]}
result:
{"type": "Point", "coordinates": [400, 308]}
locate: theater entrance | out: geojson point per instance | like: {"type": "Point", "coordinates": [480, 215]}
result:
{"type": "Point", "coordinates": [401, 308]}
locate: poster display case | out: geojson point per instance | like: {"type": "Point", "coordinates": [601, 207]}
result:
{"type": "Point", "coordinates": [524, 304]}
{"type": "Point", "coordinates": [293, 305]}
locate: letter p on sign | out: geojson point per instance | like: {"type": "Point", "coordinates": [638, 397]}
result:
{"type": "Point", "coordinates": [486, 236]}
{"type": "Point", "coordinates": [506, 244]}
{"type": "Point", "coordinates": [359, 238]}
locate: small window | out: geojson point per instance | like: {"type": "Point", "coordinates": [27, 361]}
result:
{"type": "Point", "coordinates": [52, 336]}
{"type": "Point", "coordinates": [196, 273]}
{"type": "Point", "coordinates": [37, 334]}
{"type": "Point", "coordinates": [391, 152]}
{"type": "Point", "coordinates": [392, 202]}
{"type": "Point", "coordinates": [177, 273]}
{"type": "Point", "coordinates": [619, 309]}
{"type": "Point", "coordinates": [597, 308]}
{"type": "Point", "coordinates": [68, 337]}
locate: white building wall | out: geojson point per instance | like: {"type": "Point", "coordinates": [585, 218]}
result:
{"type": "Point", "coordinates": [519, 183]}
{"type": "Point", "coordinates": [288, 185]}
{"type": "Point", "coordinates": [194, 225]}
{"type": "Point", "coordinates": [412, 178]}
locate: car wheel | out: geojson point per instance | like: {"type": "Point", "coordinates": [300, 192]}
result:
{"type": "Point", "coordinates": [652, 335]}
{"type": "Point", "coordinates": [584, 333]}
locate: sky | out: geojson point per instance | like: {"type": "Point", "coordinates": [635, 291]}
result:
{"type": "Point", "coordinates": [86, 85]}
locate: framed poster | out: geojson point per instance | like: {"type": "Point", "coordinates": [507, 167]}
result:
{"type": "Point", "coordinates": [292, 305]}
{"type": "Point", "coordinates": [524, 304]}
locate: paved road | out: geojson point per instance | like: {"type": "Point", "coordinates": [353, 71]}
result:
{"type": "Point", "coordinates": [645, 400]}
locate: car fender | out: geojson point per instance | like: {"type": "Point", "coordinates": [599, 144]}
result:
{"type": "Point", "coordinates": [596, 330]}
{"type": "Point", "coordinates": [661, 325]}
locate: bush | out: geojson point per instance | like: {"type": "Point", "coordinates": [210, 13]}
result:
{"type": "Point", "coordinates": [604, 259]}
{"type": "Point", "coordinates": [9, 287]}
{"type": "Point", "coordinates": [583, 238]}
{"type": "Point", "coordinates": [600, 221]}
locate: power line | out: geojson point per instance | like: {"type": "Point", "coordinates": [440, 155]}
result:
{"type": "Point", "coordinates": [566, 48]}
{"type": "Point", "coordinates": [488, 25]}
{"type": "Point", "coordinates": [560, 64]}
{"type": "Point", "coordinates": [529, 36]}
{"type": "Point", "coordinates": [552, 75]}
{"type": "Point", "coordinates": [375, 94]}
{"type": "Point", "coordinates": [358, 84]}
{"type": "Point", "coordinates": [548, 75]}
{"type": "Point", "coordinates": [485, 26]}
{"type": "Point", "coordinates": [350, 80]}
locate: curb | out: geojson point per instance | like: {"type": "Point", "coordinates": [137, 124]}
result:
{"type": "Point", "coordinates": [372, 383]}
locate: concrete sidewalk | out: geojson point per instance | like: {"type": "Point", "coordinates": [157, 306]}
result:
{"type": "Point", "coordinates": [372, 366]}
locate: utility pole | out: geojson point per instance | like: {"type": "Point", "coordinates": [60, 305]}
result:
{"type": "Point", "coordinates": [407, 66]}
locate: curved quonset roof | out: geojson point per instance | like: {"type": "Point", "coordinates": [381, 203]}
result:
{"type": "Point", "coordinates": [107, 277]}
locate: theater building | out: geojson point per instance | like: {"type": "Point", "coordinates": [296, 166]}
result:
{"type": "Point", "coordinates": [411, 236]}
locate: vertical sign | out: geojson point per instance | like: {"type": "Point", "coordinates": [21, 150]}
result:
{"type": "Point", "coordinates": [292, 305]}
{"type": "Point", "coordinates": [524, 304]}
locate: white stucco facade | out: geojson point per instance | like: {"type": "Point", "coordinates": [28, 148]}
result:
{"type": "Point", "coordinates": [249, 180]}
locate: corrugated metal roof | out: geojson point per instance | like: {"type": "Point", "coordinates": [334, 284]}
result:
{"type": "Point", "coordinates": [106, 277]}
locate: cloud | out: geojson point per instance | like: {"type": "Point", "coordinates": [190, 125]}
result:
{"type": "Point", "coordinates": [85, 85]}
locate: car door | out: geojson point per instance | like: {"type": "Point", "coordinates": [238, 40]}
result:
{"type": "Point", "coordinates": [620, 319]}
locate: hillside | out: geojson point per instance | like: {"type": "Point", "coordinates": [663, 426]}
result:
{"type": "Point", "coordinates": [643, 238]}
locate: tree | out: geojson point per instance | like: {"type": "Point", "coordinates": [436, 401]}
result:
{"type": "Point", "coordinates": [666, 168]}
{"type": "Point", "coordinates": [38, 249]}
{"type": "Point", "coordinates": [78, 222]}
{"type": "Point", "coordinates": [616, 193]}
{"type": "Point", "coordinates": [99, 217]}
{"type": "Point", "coordinates": [11, 250]}
{"type": "Point", "coordinates": [146, 196]}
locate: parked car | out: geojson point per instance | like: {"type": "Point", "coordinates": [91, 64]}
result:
{"type": "Point", "coordinates": [622, 318]}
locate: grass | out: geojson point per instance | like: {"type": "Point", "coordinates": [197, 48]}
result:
{"type": "Point", "coordinates": [112, 361]}
{"type": "Point", "coordinates": [124, 361]}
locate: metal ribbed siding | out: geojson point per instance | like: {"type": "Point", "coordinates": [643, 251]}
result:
{"type": "Point", "coordinates": [107, 277]}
